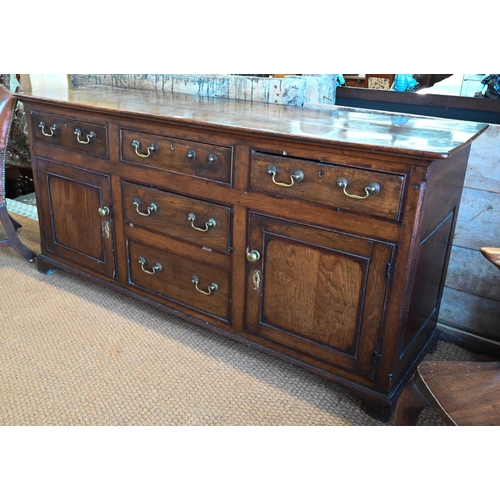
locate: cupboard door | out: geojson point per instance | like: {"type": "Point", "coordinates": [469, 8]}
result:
{"type": "Point", "coordinates": [318, 292]}
{"type": "Point", "coordinates": [77, 216]}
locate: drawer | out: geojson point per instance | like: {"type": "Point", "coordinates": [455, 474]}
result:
{"type": "Point", "coordinates": [357, 189]}
{"type": "Point", "coordinates": [72, 134]}
{"type": "Point", "coordinates": [186, 157]}
{"type": "Point", "coordinates": [179, 278]}
{"type": "Point", "coordinates": [188, 219]}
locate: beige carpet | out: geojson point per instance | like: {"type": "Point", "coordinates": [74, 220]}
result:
{"type": "Point", "coordinates": [74, 353]}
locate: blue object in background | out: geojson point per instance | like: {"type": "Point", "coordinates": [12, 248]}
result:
{"type": "Point", "coordinates": [400, 83]}
{"type": "Point", "coordinates": [412, 83]}
{"type": "Point", "coordinates": [404, 83]}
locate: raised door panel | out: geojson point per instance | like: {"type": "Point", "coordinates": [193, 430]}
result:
{"type": "Point", "coordinates": [70, 199]}
{"type": "Point", "coordinates": [429, 277]}
{"type": "Point", "coordinates": [318, 292]}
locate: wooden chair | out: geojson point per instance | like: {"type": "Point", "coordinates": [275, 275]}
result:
{"type": "Point", "coordinates": [492, 254]}
{"type": "Point", "coordinates": [7, 103]}
{"type": "Point", "coordinates": [463, 393]}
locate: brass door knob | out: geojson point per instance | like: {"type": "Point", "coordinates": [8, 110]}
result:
{"type": "Point", "coordinates": [253, 256]}
{"type": "Point", "coordinates": [103, 211]}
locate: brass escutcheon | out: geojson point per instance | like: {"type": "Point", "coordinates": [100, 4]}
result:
{"type": "Point", "coordinates": [256, 280]}
{"type": "Point", "coordinates": [107, 230]}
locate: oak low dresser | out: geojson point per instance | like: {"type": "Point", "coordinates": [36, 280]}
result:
{"type": "Point", "coordinates": [320, 235]}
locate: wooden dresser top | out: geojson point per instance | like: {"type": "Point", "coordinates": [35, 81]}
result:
{"type": "Point", "coordinates": [337, 125]}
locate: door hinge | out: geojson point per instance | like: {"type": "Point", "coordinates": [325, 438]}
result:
{"type": "Point", "coordinates": [388, 272]}
{"type": "Point", "coordinates": [419, 185]}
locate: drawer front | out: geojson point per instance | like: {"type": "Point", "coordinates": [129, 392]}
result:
{"type": "Point", "coordinates": [188, 219]}
{"type": "Point", "coordinates": [187, 157]}
{"type": "Point", "coordinates": [189, 282]}
{"type": "Point", "coordinates": [72, 134]}
{"type": "Point", "coordinates": [356, 189]}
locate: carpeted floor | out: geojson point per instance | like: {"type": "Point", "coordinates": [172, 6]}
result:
{"type": "Point", "coordinates": [75, 354]}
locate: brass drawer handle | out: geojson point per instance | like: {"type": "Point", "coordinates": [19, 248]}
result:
{"type": "Point", "coordinates": [90, 136]}
{"type": "Point", "coordinates": [212, 288]}
{"type": "Point", "coordinates": [212, 158]}
{"type": "Point", "coordinates": [151, 149]}
{"type": "Point", "coordinates": [191, 154]}
{"type": "Point", "coordinates": [210, 223]}
{"type": "Point", "coordinates": [297, 176]}
{"type": "Point", "coordinates": [52, 129]}
{"type": "Point", "coordinates": [152, 208]}
{"type": "Point", "coordinates": [372, 188]}
{"type": "Point", "coordinates": [157, 267]}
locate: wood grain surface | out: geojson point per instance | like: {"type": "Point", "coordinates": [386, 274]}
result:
{"type": "Point", "coordinates": [365, 129]}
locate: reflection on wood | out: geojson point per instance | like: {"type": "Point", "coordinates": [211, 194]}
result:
{"type": "Point", "coordinates": [295, 90]}
{"type": "Point", "coordinates": [363, 129]}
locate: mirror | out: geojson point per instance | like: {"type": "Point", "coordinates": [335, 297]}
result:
{"type": "Point", "coordinates": [460, 85]}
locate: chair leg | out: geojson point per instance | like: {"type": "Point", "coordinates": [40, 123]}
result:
{"type": "Point", "coordinates": [15, 223]}
{"type": "Point", "coordinates": [410, 404]}
{"type": "Point", "coordinates": [12, 237]}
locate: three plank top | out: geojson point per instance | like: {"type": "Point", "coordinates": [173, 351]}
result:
{"type": "Point", "coordinates": [337, 125]}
